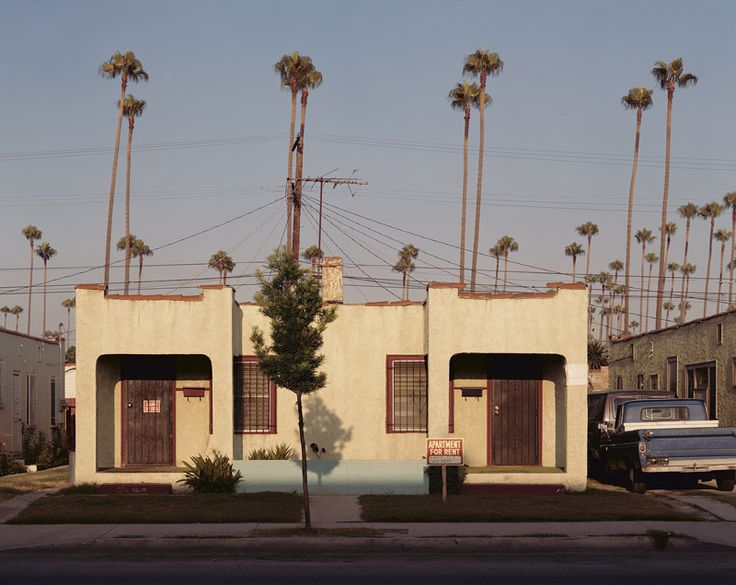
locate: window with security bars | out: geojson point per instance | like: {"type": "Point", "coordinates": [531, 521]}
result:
{"type": "Point", "coordinates": [255, 399]}
{"type": "Point", "coordinates": [407, 394]}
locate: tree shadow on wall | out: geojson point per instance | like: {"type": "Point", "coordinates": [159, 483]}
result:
{"type": "Point", "coordinates": [325, 435]}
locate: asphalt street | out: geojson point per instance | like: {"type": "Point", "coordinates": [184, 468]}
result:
{"type": "Point", "coordinates": [81, 566]}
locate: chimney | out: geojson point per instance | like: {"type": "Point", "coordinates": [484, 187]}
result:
{"type": "Point", "coordinates": [332, 291]}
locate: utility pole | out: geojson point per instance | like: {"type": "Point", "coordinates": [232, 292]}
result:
{"type": "Point", "coordinates": [334, 181]}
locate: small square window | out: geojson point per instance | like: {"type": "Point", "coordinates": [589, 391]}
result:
{"type": "Point", "coordinates": [654, 382]}
{"type": "Point", "coordinates": [640, 381]}
{"type": "Point", "coordinates": [619, 383]}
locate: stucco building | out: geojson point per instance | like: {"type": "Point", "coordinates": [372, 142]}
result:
{"type": "Point", "coordinates": [162, 378]}
{"type": "Point", "coordinates": [696, 360]}
{"type": "Point", "coordinates": [31, 386]}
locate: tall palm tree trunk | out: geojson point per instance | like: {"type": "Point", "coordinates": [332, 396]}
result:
{"type": "Point", "coordinates": [299, 185]}
{"type": "Point", "coordinates": [463, 215]}
{"type": "Point", "coordinates": [684, 301]}
{"type": "Point", "coordinates": [707, 268]}
{"type": "Point", "coordinates": [68, 325]}
{"type": "Point", "coordinates": [303, 444]}
{"type": "Point", "coordinates": [632, 183]}
{"type": "Point", "coordinates": [30, 293]}
{"type": "Point", "coordinates": [127, 206]}
{"type": "Point", "coordinates": [140, 272]}
{"type": "Point", "coordinates": [505, 270]}
{"type": "Point", "coordinates": [720, 278]}
{"type": "Point", "coordinates": [44, 296]}
{"type": "Point", "coordinates": [731, 262]}
{"type": "Point", "coordinates": [663, 224]}
{"type": "Point", "coordinates": [649, 288]}
{"type": "Point", "coordinates": [642, 327]}
{"type": "Point", "coordinates": [683, 293]}
{"type": "Point", "coordinates": [574, 260]}
{"type": "Point", "coordinates": [481, 147]}
{"type": "Point", "coordinates": [587, 260]}
{"type": "Point", "coordinates": [289, 177]}
{"type": "Point", "coordinates": [495, 286]}
{"type": "Point", "coordinates": [111, 200]}
{"type": "Point", "coordinates": [672, 293]}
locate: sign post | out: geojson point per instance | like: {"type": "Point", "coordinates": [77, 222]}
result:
{"type": "Point", "coordinates": [444, 452]}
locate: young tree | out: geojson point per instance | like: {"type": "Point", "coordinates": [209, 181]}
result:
{"type": "Point", "coordinates": [127, 68]}
{"type": "Point", "coordinates": [480, 64]}
{"type": "Point", "coordinates": [574, 250]}
{"type": "Point", "coordinates": [292, 302]}
{"type": "Point", "coordinates": [669, 76]}
{"type": "Point", "coordinates": [406, 266]}
{"type": "Point", "coordinates": [32, 234]}
{"type": "Point", "coordinates": [639, 99]}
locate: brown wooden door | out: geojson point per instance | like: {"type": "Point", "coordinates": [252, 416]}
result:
{"type": "Point", "coordinates": [514, 422]}
{"type": "Point", "coordinates": [149, 422]}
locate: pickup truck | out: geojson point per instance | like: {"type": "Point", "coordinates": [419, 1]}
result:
{"type": "Point", "coordinates": [602, 407]}
{"type": "Point", "coordinates": [670, 437]}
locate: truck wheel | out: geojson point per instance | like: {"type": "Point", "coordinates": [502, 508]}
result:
{"type": "Point", "coordinates": [636, 481]}
{"type": "Point", "coordinates": [725, 484]}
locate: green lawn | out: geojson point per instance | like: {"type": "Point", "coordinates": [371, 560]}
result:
{"type": "Point", "coordinates": [12, 485]}
{"type": "Point", "coordinates": [177, 509]}
{"type": "Point", "coordinates": [589, 506]}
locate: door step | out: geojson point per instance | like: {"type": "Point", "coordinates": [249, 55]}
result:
{"type": "Point", "coordinates": [136, 489]}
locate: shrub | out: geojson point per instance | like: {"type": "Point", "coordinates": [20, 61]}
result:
{"type": "Point", "coordinates": [55, 452]}
{"type": "Point", "coordinates": [281, 452]}
{"type": "Point", "coordinates": [8, 465]}
{"type": "Point", "coordinates": [33, 443]}
{"type": "Point", "coordinates": [211, 475]}
{"type": "Point", "coordinates": [455, 478]}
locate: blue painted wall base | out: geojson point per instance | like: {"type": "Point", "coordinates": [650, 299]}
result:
{"type": "Point", "coordinates": [343, 477]}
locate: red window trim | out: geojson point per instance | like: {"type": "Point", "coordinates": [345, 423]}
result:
{"type": "Point", "coordinates": [390, 359]}
{"type": "Point", "coordinates": [272, 427]}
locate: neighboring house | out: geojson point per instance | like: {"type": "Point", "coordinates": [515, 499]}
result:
{"type": "Point", "coordinates": [31, 386]}
{"type": "Point", "coordinates": [163, 378]}
{"type": "Point", "coordinates": [68, 405]}
{"type": "Point", "coordinates": [696, 360]}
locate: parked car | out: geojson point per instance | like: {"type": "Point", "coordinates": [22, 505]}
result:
{"type": "Point", "coordinates": [668, 438]}
{"type": "Point", "coordinates": [602, 408]}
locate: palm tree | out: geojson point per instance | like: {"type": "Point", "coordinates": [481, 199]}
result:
{"type": "Point", "coordinates": [313, 254]}
{"type": "Point", "coordinates": [639, 99]}
{"type": "Point", "coordinates": [615, 266]}
{"type": "Point", "coordinates": [45, 252]}
{"type": "Point", "coordinates": [643, 236]}
{"type": "Point", "coordinates": [574, 250]}
{"type": "Point", "coordinates": [463, 97]}
{"type": "Point", "coordinates": [496, 252]}
{"type": "Point", "coordinates": [669, 230]}
{"type": "Point", "coordinates": [668, 76]}
{"type": "Point", "coordinates": [128, 68]}
{"type": "Point", "coordinates": [687, 212]}
{"type": "Point", "coordinates": [406, 266]}
{"type": "Point", "coordinates": [480, 64]}
{"type": "Point", "coordinates": [587, 230]}
{"type": "Point", "coordinates": [722, 236]}
{"type": "Point", "coordinates": [223, 263]}
{"type": "Point", "coordinates": [651, 259]}
{"type": "Point", "coordinates": [290, 69]}
{"type": "Point", "coordinates": [16, 310]}
{"type": "Point", "coordinates": [634, 325]}
{"type": "Point", "coordinates": [310, 79]}
{"type": "Point", "coordinates": [686, 270]}
{"type": "Point", "coordinates": [673, 267]}
{"type": "Point", "coordinates": [590, 280]}
{"type": "Point", "coordinates": [508, 245]}
{"type": "Point", "coordinates": [5, 311]}
{"type": "Point", "coordinates": [69, 304]}
{"type": "Point", "coordinates": [709, 211]}
{"type": "Point", "coordinates": [618, 310]}
{"type": "Point", "coordinates": [133, 108]}
{"type": "Point", "coordinates": [729, 200]}
{"type": "Point", "coordinates": [32, 234]}
{"type": "Point", "coordinates": [140, 250]}
{"type": "Point", "coordinates": [668, 306]}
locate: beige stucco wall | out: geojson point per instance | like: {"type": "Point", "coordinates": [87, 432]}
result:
{"type": "Point", "coordinates": [22, 354]}
{"type": "Point", "coordinates": [347, 418]}
{"type": "Point", "coordinates": [139, 326]}
{"type": "Point", "coordinates": [692, 343]}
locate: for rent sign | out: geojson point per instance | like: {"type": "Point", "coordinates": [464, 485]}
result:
{"type": "Point", "coordinates": [445, 452]}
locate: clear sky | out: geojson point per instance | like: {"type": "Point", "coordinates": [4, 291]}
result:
{"type": "Point", "coordinates": [558, 141]}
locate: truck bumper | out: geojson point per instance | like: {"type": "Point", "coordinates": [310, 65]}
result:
{"type": "Point", "coordinates": [690, 465]}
